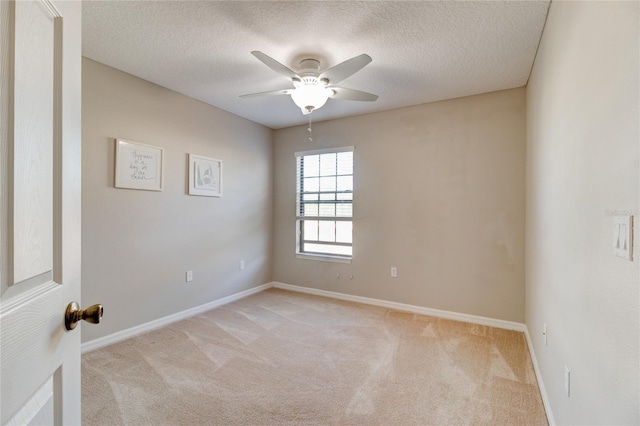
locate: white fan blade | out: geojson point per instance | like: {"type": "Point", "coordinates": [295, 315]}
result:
{"type": "Point", "coordinates": [275, 65]}
{"type": "Point", "coordinates": [271, 92]}
{"type": "Point", "coordinates": [342, 93]}
{"type": "Point", "coordinates": [345, 69]}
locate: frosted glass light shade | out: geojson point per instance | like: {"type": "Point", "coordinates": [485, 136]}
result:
{"type": "Point", "coordinates": [309, 97]}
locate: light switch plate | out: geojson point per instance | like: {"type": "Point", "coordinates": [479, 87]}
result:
{"type": "Point", "coordinates": [623, 236]}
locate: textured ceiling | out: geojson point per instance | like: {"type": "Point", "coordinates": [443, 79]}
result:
{"type": "Point", "coordinates": [422, 51]}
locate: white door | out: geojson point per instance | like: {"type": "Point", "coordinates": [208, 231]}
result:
{"type": "Point", "coordinates": [40, 211]}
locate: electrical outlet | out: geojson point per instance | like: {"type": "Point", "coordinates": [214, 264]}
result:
{"type": "Point", "coordinates": [189, 276]}
{"type": "Point", "coordinates": [544, 333]}
{"type": "Point", "coordinates": [394, 272]}
{"type": "Point", "coordinates": [242, 264]}
{"type": "Point", "coordinates": [567, 381]}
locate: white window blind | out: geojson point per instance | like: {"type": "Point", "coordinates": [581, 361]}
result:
{"type": "Point", "coordinates": [324, 207]}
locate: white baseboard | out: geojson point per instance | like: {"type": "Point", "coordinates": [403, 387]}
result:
{"type": "Point", "coordinates": [536, 369]}
{"type": "Point", "coordinates": [474, 319]}
{"type": "Point", "coordinates": [161, 322]}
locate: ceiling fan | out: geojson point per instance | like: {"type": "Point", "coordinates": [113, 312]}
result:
{"type": "Point", "coordinates": [312, 88]}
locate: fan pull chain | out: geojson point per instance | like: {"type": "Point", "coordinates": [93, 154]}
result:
{"type": "Point", "coordinates": [310, 130]}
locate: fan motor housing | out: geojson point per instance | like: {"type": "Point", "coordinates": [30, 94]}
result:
{"type": "Point", "coordinates": [309, 64]}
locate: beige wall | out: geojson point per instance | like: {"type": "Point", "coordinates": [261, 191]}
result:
{"type": "Point", "coordinates": [137, 245]}
{"type": "Point", "coordinates": [439, 194]}
{"type": "Point", "coordinates": [582, 166]}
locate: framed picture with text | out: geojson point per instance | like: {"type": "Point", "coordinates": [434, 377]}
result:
{"type": "Point", "coordinates": [139, 166]}
{"type": "Point", "coordinates": [205, 176]}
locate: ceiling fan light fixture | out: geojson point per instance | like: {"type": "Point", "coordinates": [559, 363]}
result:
{"type": "Point", "coordinates": [309, 97]}
{"type": "Point", "coordinates": [312, 87]}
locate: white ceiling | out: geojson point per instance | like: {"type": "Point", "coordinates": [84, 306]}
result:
{"type": "Point", "coordinates": [422, 51]}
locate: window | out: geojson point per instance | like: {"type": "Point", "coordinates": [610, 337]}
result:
{"type": "Point", "coordinates": [324, 207]}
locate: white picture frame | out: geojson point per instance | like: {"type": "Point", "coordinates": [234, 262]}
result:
{"type": "Point", "coordinates": [139, 166]}
{"type": "Point", "coordinates": [205, 176]}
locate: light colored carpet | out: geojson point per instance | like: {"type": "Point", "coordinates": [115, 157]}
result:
{"type": "Point", "coordinates": [285, 358]}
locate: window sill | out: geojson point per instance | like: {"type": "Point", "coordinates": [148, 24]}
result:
{"type": "Point", "coordinates": [323, 258]}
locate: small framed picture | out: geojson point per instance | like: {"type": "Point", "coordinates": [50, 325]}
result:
{"type": "Point", "coordinates": [139, 166]}
{"type": "Point", "coordinates": [205, 176]}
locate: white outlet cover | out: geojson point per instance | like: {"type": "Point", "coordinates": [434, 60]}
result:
{"type": "Point", "coordinates": [622, 240]}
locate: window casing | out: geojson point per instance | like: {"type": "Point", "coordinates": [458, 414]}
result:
{"type": "Point", "coordinates": [324, 203]}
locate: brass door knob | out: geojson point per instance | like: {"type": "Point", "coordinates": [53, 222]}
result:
{"type": "Point", "coordinates": [73, 314]}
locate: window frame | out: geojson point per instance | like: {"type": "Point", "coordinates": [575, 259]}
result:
{"type": "Point", "coordinates": [300, 219]}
